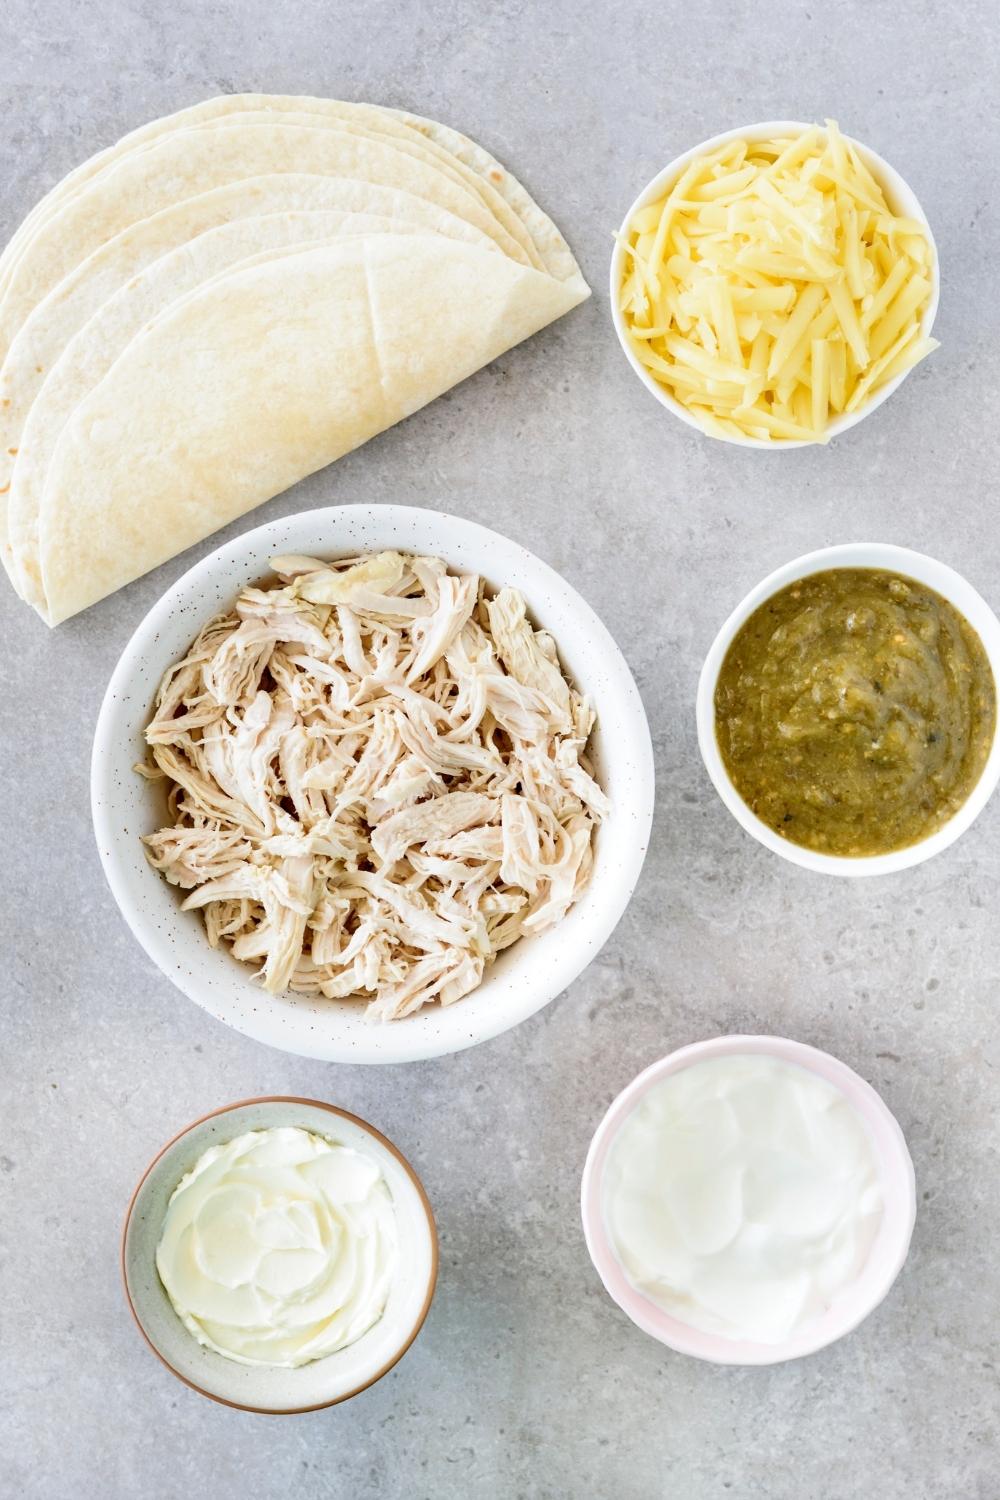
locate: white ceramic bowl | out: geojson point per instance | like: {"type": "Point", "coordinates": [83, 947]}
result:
{"type": "Point", "coordinates": [951, 586]}
{"type": "Point", "coordinates": [268, 1389]}
{"type": "Point", "coordinates": [900, 197]}
{"type": "Point", "coordinates": [525, 977]}
{"type": "Point", "coordinates": [855, 1302]}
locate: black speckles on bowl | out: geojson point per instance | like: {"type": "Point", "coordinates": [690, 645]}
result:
{"type": "Point", "coordinates": [525, 977]}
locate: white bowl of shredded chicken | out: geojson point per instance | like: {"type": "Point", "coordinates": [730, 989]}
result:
{"type": "Point", "coordinates": [372, 784]}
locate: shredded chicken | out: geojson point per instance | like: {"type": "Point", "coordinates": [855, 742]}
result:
{"type": "Point", "coordinates": [378, 780]}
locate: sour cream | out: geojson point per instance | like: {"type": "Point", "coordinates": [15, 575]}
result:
{"type": "Point", "coordinates": [742, 1195]}
{"type": "Point", "coordinates": [279, 1247]}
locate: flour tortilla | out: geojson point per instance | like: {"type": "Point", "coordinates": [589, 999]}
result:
{"type": "Point", "coordinates": [220, 405]}
{"type": "Point", "coordinates": [553, 251]}
{"type": "Point", "coordinates": [91, 352]}
{"type": "Point", "coordinates": [314, 113]}
{"type": "Point", "coordinates": [117, 264]}
{"type": "Point", "coordinates": [64, 311]}
{"type": "Point", "coordinates": [494, 180]}
{"type": "Point", "coordinates": [66, 186]}
{"type": "Point", "coordinates": [191, 161]}
{"type": "Point", "coordinates": [381, 126]}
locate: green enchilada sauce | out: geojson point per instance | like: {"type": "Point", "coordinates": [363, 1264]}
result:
{"type": "Point", "coordinates": [855, 711]}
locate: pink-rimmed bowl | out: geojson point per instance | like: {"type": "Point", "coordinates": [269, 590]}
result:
{"type": "Point", "coordinates": [855, 1302]}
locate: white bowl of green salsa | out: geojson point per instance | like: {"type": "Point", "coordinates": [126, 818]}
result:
{"type": "Point", "coordinates": [847, 709]}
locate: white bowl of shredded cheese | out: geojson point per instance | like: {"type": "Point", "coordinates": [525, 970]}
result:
{"type": "Point", "coordinates": [877, 358]}
{"type": "Point", "coordinates": [529, 973]}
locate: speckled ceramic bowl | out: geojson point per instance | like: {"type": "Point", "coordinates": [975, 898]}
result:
{"type": "Point", "coordinates": [854, 1303]}
{"type": "Point", "coordinates": [525, 977]}
{"type": "Point", "coordinates": [324, 1382]}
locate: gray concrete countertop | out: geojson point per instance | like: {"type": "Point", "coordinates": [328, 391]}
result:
{"type": "Point", "coordinates": [527, 1381]}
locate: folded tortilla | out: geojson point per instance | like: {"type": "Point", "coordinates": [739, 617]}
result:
{"type": "Point", "coordinates": [220, 405]}
{"type": "Point", "coordinates": [234, 212]}
{"type": "Point", "coordinates": [64, 311]}
{"type": "Point", "coordinates": [491, 179]}
{"type": "Point", "coordinates": [30, 426]}
{"type": "Point", "coordinates": [88, 355]}
{"type": "Point", "coordinates": [189, 162]}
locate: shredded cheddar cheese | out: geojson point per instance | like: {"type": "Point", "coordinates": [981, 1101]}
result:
{"type": "Point", "coordinates": [773, 288]}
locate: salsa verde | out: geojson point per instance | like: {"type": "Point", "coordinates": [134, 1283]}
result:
{"type": "Point", "coordinates": [855, 711]}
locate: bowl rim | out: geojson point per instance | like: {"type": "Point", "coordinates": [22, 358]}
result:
{"type": "Point", "coordinates": [898, 190]}
{"type": "Point", "coordinates": [895, 1171]}
{"type": "Point", "coordinates": [344, 1114]}
{"type": "Point", "coordinates": [635, 801]}
{"type": "Point", "coordinates": [958, 592]}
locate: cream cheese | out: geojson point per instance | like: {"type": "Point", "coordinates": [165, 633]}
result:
{"type": "Point", "coordinates": [279, 1247]}
{"type": "Point", "coordinates": [742, 1195]}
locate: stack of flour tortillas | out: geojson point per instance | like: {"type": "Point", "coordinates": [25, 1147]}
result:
{"type": "Point", "coordinates": [228, 300]}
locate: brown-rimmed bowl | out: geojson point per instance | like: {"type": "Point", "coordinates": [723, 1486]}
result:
{"type": "Point", "coordinates": [267, 1388]}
